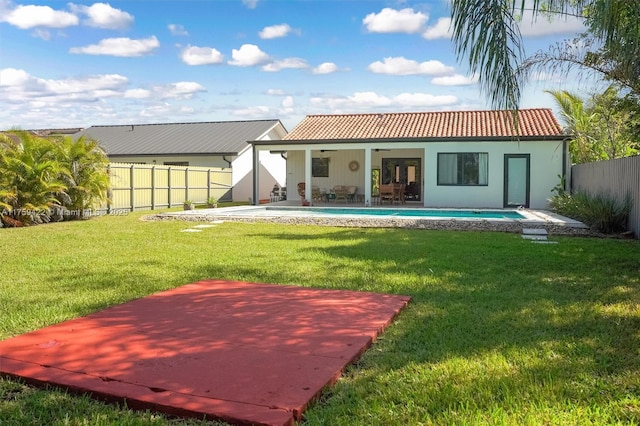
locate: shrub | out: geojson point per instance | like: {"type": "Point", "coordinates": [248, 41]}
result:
{"type": "Point", "coordinates": [600, 211]}
{"type": "Point", "coordinates": [43, 179]}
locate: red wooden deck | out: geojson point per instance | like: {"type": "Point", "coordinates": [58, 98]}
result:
{"type": "Point", "coordinates": [241, 352]}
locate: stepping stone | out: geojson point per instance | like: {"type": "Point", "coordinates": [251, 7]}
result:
{"type": "Point", "coordinates": [535, 237]}
{"type": "Point", "coordinates": [217, 221]}
{"type": "Point", "coordinates": [535, 234]}
{"type": "Point", "coordinates": [534, 231]}
{"type": "Point", "coordinates": [191, 230]}
{"type": "Point", "coordinates": [544, 242]}
{"type": "Point", "coordinates": [204, 226]}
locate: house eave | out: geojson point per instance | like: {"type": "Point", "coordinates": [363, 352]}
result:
{"type": "Point", "coordinates": [366, 141]}
{"type": "Point", "coordinates": [181, 154]}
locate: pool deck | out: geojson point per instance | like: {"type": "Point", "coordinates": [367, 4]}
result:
{"type": "Point", "coordinates": [532, 218]}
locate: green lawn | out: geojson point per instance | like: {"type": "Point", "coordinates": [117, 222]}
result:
{"type": "Point", "coordinates": [500, 330]}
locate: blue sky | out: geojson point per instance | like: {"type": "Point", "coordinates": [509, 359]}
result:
{"type": "Point", "coordinates": [77, 64]}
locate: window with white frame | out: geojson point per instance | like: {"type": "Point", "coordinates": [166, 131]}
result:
{"type": "Point", "coordinates": [463, 168]}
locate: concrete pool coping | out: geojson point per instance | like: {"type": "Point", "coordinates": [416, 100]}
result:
{"type": "Point", "coordinates": [290, 213]}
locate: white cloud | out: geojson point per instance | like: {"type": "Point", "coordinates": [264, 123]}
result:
{"type": "Point", "coordinates": [121, 46]}
{"type": "Point", "coordinates": [325, 68]}
{"type": "Point", "coordinates": [13, 77]}
{"type": "Point", "coordinates": [543, 26]}
{"type": "Point", "coordinates": [102, 15]}
{"type": "Point", "coordinates": [25, 17]}
{"type": "Point", "coordinates": [275, 92]}
{"type": "Point", "coordinates": [403, 66]}
{"type": "Point", "coordinates": [284, 64]}
{"type": "Point", "coordinates": [19, 86]}
{"type": "Point", "coordinates": [423, 100]}
{"type": "Point", "coordinates": [194, 55]}
{"type": "Point", "coordinates": [177, 30]}
{"type": "Point", "coordinates": [180, 90]}
{"type": "Point", "coordinates": [137, 94]}
{"type": "Point", "coordinates": [42, 33]}
{"type": "Point", "coordinates": [85, 100]}
{"type": "Point", "coordinates": [288, 102]}
{"type": "Point", "coordinates": [248, 55]}
{"type": "Point", "coordinates": [251, 4]}
{"type": "Point", "coordinates": [395, 21]}
{"type": "Point", "coordinates": [275, 31]}
{"type": "Point", "coordinates": [258, 111]}
{"type": "Point", "coordinates": [287, 107]}
{"type": "Point", "coordinates": [371, 100]}
{"type": "Point", "coordinates": [454, 80]}
{"type": "Point", "coordinates": [440, 30]}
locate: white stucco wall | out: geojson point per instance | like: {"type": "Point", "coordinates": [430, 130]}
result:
{"type": "Point", "coordinates": [546, 159]}
{"type": "Point", "coordinates": [545, 166]}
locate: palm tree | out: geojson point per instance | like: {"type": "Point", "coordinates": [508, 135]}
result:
{"type": "Point", "coordinates": [30, 183]}
{"type": "Point", "coordinates": [86, 176]}
{"type": "Point", "coordinates": [487, 32]}
{"type": "Point", "coordinates": [578, 123]}
{"type": "Point", "coordinates": [600, 127]}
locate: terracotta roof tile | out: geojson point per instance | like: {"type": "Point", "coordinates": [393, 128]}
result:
{"type": "Point", "coordinates": [449, 124]}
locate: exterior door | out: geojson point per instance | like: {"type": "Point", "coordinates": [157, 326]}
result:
{"type": "Point", "coordinates": [404, 170]}
{"type": "Point", "coordinates": [516, 180]}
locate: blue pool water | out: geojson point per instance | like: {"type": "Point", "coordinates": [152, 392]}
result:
{"type": "Point", "coordinates": [413, 213]}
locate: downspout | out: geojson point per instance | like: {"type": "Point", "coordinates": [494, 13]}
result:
{"type": "Point", "coordinates": [565, 159]}
{"type": "Point", "coordinates": [224, 158]}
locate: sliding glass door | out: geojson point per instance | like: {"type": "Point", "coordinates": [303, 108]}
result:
{"type": "Point", "coordinates": [406, 171]}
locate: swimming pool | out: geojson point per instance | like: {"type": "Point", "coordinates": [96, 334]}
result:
{"type": "Point", "coordinates": [388, 212]}
{"type": "Point", "coordinates": [412, 212]}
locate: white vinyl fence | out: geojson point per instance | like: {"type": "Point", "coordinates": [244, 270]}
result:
{"type": "Point", "coordinates": [150, 186]}
{"type": "Point", "coordinates": [619, 178]}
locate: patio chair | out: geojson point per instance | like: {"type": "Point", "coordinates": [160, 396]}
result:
{"type": "Point", "coordinates": [398, 193]}
{"type": "Point", "coordinates": [275, 193]}
{"type": "Point", "coordinates": [352, 191]}
{"type": "Point", "coordinates": [386, 193]}
{"type": "Point", "coordinates": [341, 192]}
{"type": "Point", "coordinates": [315, 192]}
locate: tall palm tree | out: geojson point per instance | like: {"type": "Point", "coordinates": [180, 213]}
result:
{"type": "Point", "coordinates": [87, 177]}
{"type": "Point", "coordinates": [486, 31]}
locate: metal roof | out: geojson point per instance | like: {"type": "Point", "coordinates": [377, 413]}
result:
{"type": "Point", "coordinates": [490, 124]}
{"type": "Point", "coordinates": [213, 138]}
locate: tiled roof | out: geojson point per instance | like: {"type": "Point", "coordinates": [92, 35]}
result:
{"type": "Point", "coordinates": [449, 124]}
{"type": "Point", "coordinates": [223, 137]}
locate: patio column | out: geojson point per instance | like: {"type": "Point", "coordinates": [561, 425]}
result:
{"type": "Point", "coordinates": [367, 176]}
{"type": "Point", "coordinates": [423, 184]}
{"type": "Point", "coordinates": [307, 174]}
{"type": "Point", "coordinates": [256, 178]}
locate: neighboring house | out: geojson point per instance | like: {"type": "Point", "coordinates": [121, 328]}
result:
{"type": "Point", "coordinates": [474, 159]}
{"type": "Point", "coordinates": [209, 144]}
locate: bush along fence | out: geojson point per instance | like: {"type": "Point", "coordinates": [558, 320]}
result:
{"type": "Point", "coordinates": [617, 179]}
{"type": "Point", "coordinates": [150, 186]}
